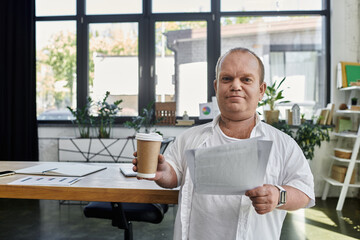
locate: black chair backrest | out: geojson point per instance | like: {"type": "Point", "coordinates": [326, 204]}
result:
{"type": "Point", "coordinates": [165, 143]}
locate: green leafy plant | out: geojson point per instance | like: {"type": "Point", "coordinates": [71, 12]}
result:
{"type": "Point", "coordinates": [105, 116]}
{"type": "Point", "coordinates": [284, 127]}
{"type": "Point", "coordinates": [146, 119]}
{"type": "Point", "coordinates": [102, 122]}
{"type": "Point", "coordinates": [273, 95]}
{"type": "Point", "coordinates": [354, 101]}
{"type": "Point", "coordinates": [310, 135]}
{"type": "Point", "coordinates": [83, 118]}
{"type": "Point", "coordinates": [307, 136]}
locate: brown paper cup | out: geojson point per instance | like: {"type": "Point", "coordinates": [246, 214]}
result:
{"type": "Point", "coordinates": [148, 149]}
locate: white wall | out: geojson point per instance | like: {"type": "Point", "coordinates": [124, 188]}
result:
{"type": "Point", "coordinates": [48, 138]}
{"type": "Point", "coordinates": [345, 46]}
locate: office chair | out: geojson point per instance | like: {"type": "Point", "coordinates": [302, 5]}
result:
{"type": "Point", "coordinates": [122, 214]}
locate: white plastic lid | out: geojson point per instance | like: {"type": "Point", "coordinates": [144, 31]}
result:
{"type": "Point", "coordinates": [149, 137]}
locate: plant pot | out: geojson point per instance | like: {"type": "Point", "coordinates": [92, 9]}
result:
{"type": "Point", "coordinates": [271, 116]}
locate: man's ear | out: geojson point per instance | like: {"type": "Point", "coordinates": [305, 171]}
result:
{"type": "Point", "coordinates": [262, 90]}
{"type": "Point", "coordinates": [215, 86]}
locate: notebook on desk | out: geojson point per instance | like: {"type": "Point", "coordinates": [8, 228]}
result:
{"type": "Point", "coordinates": [63, 169]}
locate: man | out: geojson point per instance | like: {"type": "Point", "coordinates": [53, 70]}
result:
{"type": "Point", "coordinates": [258, 214]}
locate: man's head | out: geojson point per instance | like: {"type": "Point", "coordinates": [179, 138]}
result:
{"type": "Point", "coordinates": [239, 83]}
{"type": "Point", "coordinates": [240, 49]}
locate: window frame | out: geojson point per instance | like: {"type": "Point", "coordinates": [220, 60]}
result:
{"type": "Point", "coordinates": [147, 55]}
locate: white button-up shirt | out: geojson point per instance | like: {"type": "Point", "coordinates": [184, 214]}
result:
{"type": "Point", "coordinates": [286, 166]}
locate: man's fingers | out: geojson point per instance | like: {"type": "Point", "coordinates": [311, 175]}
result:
{"type": "Point", "coordinates": [256, 192]}
{"type": "Point", "coordinates": [262, 208]}
{"type": "Point", "coordinates": [161, 158]}
{"type": "Point", "coordinates": [260, 200]}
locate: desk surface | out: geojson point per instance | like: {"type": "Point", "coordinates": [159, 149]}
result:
{"type": "Point", "coordinates": [108, 185]}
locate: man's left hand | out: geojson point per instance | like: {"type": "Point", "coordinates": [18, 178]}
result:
{"type": "Point", "coordinates": [264, 198]}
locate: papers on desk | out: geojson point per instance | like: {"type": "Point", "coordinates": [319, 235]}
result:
{"type": "Point", "coordinates": [229, 169]}
{"type": "Point", "coordinates": [46, 181]}
{"type": "Point", "coordinates": [61, 169]}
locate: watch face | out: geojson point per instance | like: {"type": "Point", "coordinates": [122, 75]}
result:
{"type": "Point", "coordinates": [282, 199]}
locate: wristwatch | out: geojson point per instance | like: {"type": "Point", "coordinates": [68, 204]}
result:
{"type": "Point", "coordinates": [282, 196]}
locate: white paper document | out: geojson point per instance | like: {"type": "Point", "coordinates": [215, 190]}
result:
{"type": "Point", "coordinates": [229, 169]}
{"type": "Point", "coordinates": [46, 181]}
{"type": "Point", "coordinates": [61, 169]}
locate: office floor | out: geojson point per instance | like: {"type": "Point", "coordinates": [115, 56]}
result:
{"type": "Point", "coordinates": [45, 219]}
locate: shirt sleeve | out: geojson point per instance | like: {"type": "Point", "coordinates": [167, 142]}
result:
{"type": "Point", "coordinates": [174, 157]}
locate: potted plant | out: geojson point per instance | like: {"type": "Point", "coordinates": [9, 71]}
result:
{"type": "Point", "coordinates": [146, 120]}
{"type": "Point", "coordinates": [302, 118]}
{"type": "Point", "coordinates": [307, 136]}
{"type": "Point", "coordinates": [105, 116]}
{"type": "Point", "coordinates": [310, 135]}
{"type": "Point", "coordinates": [83, 119]}
{"type": "Point", "coordinates": [272, 96]}
{"type": "Point", "coordinates": [354, 101]}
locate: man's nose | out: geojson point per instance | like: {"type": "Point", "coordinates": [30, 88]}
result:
{"type": "Point", "coordinates": [236, 85]}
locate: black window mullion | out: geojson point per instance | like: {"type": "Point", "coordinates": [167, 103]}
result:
{"type": "Point", "coordinates": [113, 18]}
{"type": "Point", "coordinates": [327, 50]}
{"type": "Point", "coordinates": [82, 87]}
{"type": "Point", "coordinates": [146, 81]}
{"type": "Point", "coordinates": [213, 45]}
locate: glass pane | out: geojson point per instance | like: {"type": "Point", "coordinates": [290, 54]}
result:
{"type": "Point", "coordinates": [290, 47]}
{"type": "Point", "coordinates": [172, 6]}
{"type": "Point", "coordinates": [181, 65]}
{"type": "Point", "coordinates": [113, 64]}
{"type": "Point", "coordinates": [55, 8]}
{"type": "Point", "coordinates": [270, 5]}
{"type": "Point", "coordinates": [113, 6]}
{"type": "Point", "coordinates": [55, 69]}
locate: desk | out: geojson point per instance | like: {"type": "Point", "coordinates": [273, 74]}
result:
{"type": "Point", "coordinates": [108, 185]}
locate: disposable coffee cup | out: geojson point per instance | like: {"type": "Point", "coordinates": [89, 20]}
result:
{"type": "Point", "coordinates": [148, 149]}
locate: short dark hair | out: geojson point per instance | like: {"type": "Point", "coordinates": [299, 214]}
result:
{"type": "Point", "coordinates": [240, 49]}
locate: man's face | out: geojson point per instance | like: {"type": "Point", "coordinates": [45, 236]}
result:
{"type": "Point", "coordinates": [238, 87]}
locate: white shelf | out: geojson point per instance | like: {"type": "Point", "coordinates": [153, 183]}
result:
{"type": "Point", "coordinates": [349, 163]}
{"type": "Point", "coordinates": [344, 159]}
{"type": "Point", "coordinates": [348, 111]}
{"type": "Point", "coordinates": [346, 135]}
{"type": "Point", "coordinates": [337, 183]}
{"type": "Point", "coordinates": [350, 88]}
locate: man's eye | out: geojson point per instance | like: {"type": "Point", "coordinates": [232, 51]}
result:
{"type": "Point", "coordinates": [226, 78]}
{"type": "Point", "coordinates": [247, 80]}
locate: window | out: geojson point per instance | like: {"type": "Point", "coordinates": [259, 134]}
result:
{"type": "Point", "coordinates": [289, 46]}
{"type": "Point", "coordinates": [181, 64]}
{"type": "Point", "coordinates": [166, 51]}
{"type": "Point", "coordinates": [114, 63]}
{"type": "Point", "coordinates": [176, 6]}
{"type": "Point", "coordinates": [270, 5]}
{"type": "Point", "coordinates": [113, 7]}
{"type": "Point", "coordinates": [55, 69]}
{"type": "Point", "coordinates": [55, 8]}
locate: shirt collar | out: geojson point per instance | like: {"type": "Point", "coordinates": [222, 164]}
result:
{"type": "Point", "coordinates": [256, 132]}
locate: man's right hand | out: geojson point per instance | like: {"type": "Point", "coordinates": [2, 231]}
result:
{"type": "Point", "coordinates": [165, 174]}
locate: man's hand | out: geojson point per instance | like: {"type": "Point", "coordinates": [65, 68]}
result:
{"type": "Point", "coordinates": [264, 198]}
{"type": "Point", "coordinates": [161, 167]}
{"type": "Point", "coordinates": [165, 174]}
